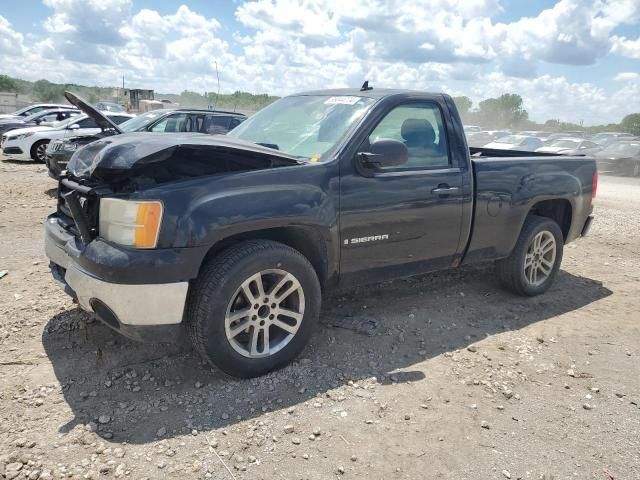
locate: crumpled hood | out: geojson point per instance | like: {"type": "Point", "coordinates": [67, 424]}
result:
{"type": "Point", "coordinates": [120, 154]}
{"type": "Point", "coordinates": [102, 120]}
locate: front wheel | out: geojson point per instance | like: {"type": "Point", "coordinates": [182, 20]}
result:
{"type": "Point", "coordinates": [253, 307]}
{"type": "Point", "coordinates": [39, 151]}
{"type": "Point", "coordinates": [534, 262]}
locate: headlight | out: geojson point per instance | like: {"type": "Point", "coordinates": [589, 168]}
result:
{"type": "Point", "coordinates": [71, 147]}
{"type": "Point", "coordinates": [132, 223]}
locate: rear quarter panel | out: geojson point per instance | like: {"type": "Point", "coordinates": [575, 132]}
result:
{"type": "Point", "coordinates": [508, 188]}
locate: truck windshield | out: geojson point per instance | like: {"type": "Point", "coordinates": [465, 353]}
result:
{"type": "Point", "coordinates": [305, 126]}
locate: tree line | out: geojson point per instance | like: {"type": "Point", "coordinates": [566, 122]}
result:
{"type": "Point", "coordinates": [505, 112]}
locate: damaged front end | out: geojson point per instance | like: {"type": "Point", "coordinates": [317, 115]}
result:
{"type": "Point", "coordinates": [141, 160]}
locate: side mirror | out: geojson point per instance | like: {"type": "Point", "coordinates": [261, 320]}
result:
{"type": "Point", "coordinates": [38, 122]}
{"type": "Point", "coordinates": [385, 153]}
{"type": "Point", "coordinates": [75, 126]}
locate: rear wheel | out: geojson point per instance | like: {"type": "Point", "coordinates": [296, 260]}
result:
{"type": "Point", "coordinates": [253, 308]}
{"type": "Point", "coordinates": [39, 151]}
{"type": "Point", "coordinates": [534, 262]}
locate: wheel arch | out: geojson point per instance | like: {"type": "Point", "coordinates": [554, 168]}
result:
{"type": "Point", "coordinates": [34, 145]}
{"type": "Point", "coordinates": [559, 210]}
{"type": "Point", "coordinates": [305, 239]}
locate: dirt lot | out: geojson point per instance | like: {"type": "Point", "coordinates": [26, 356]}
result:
{"type": "Point", "coordinates": [442, 376]}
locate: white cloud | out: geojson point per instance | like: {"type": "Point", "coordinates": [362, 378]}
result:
{"type": "Point", "coordinates": [626, 48]}
{"type": "Point", "coordinates": [11, 42]}
{"type": "Point", "coordinates": [456, 46]}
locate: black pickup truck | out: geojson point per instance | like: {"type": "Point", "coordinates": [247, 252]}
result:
{"type": "Point", "coordinates": [232, 238]}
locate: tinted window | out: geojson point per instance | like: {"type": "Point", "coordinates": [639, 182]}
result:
{"type": "Point", "coordinates": [118, 119]}
{"type": "Point", "coordinates": [88, 123]}
{"type": "Point", "coordinates": [421, 129]}
{"type": "Point", "coordinates": [217, 124]}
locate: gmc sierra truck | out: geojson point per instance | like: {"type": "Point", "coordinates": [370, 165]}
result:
{"type": "Point", "coordinates": [233, 238]}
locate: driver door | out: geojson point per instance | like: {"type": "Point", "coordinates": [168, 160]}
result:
{"type": "Point", "coordinates": [408, 218]}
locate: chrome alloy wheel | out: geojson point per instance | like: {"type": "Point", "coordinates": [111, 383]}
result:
{"type": "Point", "coordinates": [540, 258]}
{"type": "Point", "coordinates": [265, 313]}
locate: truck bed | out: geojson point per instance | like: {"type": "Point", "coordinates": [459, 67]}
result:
{"type": "Point", "coordinates": [494, 152]}
{"type": "Point", "coordinates": [510, 184]}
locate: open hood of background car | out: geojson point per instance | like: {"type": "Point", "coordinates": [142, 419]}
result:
{"type": "Point", "coordinates": [171, 156]}
{"type": "Point", "coordinates": [99, 118]}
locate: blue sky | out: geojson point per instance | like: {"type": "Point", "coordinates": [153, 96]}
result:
{"type": "Point", "coordinates": [576, 60]}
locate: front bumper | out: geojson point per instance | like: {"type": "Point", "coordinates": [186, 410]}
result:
{"type": "Point", "coordinates": [144, 311]}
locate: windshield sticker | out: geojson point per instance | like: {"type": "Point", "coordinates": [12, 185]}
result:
{"type": "Point", "coordinates": [341, 100]}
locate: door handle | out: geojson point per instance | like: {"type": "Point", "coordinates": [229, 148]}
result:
{"type": "Point", "coordinates": [444, 189]}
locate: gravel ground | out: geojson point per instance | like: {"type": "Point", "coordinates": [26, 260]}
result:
{"type": "Point", "coordinates": [440, 376]}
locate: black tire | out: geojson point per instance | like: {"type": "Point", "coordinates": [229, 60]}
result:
{"type": "Point", "coordinates": [511, 270]}
{"type": "Point", "coordinates": [211, 294]}
{"type": "Point", "coordinates": [36, 151]}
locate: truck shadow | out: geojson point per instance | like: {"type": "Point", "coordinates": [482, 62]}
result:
{"type": "Point", "coordinates": [385, 331]}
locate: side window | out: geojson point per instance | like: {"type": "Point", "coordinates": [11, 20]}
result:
{"type": "Point", "coordinates": [173, 123]}
{"type": "Point", "coordinates": [420, 127]}
{"type": "Point", "coordinates": [216, 124]}
{"type": "Point", "coordinates": [88, 123]}
{"type": "Point", "coordinates": [51, 117]}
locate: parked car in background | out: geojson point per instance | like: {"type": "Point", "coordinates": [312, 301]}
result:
{"type": "Point", "coordinates": [109, 106]}
{"type": "Point", "coordinates": [31, 143]}
{"type": "Point", "coordinates": [45, 118]}
{"type": "Point", "coordinates": [607, 138]}
{"type": "Point", "coordinates": [471, 129]}
{"type": "Point", "coordinates": [575, 133]}
{"type": "Point", "coordinates": [480, 139]}
{"type": "Point", "coordinates": [556, 136]}
{"type": "Point", "coordinates": [571, 146]}
{"type": "Point", "coordinates": [31, 109]}
{"type": "Point", "coordinates": [59, 152]}
{"type": "Point", "coordinates": [535, 133]}
{"type": "Point", "coordinates": [621, 158]}
{"type": "Point", "coordinates": [524, 143]}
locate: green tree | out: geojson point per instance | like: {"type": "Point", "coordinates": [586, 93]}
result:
{"type": "Point", "coordinates": [463, 104]}
{"type": "Point", "coordinates": [631, 123]}
{"type": "Point", "coordinates": [45, 91]}
{"type": "Point", "coordinates": [8, 84]}
{"type": "Point", "coordinates": [504, 111]}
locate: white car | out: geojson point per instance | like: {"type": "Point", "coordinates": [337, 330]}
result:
{"type": "Point", "coordinates": [521, 143]}
{"type": "Point", "coordinates": [31, 143]}
{"type": "Point", "coordinates": [31, 109]}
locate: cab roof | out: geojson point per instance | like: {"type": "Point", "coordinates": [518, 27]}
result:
{"type": "Point", "coordinates": [376, 93]}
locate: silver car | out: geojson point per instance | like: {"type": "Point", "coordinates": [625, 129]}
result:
{"type": "Point", "coordinates": [571, 146]}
